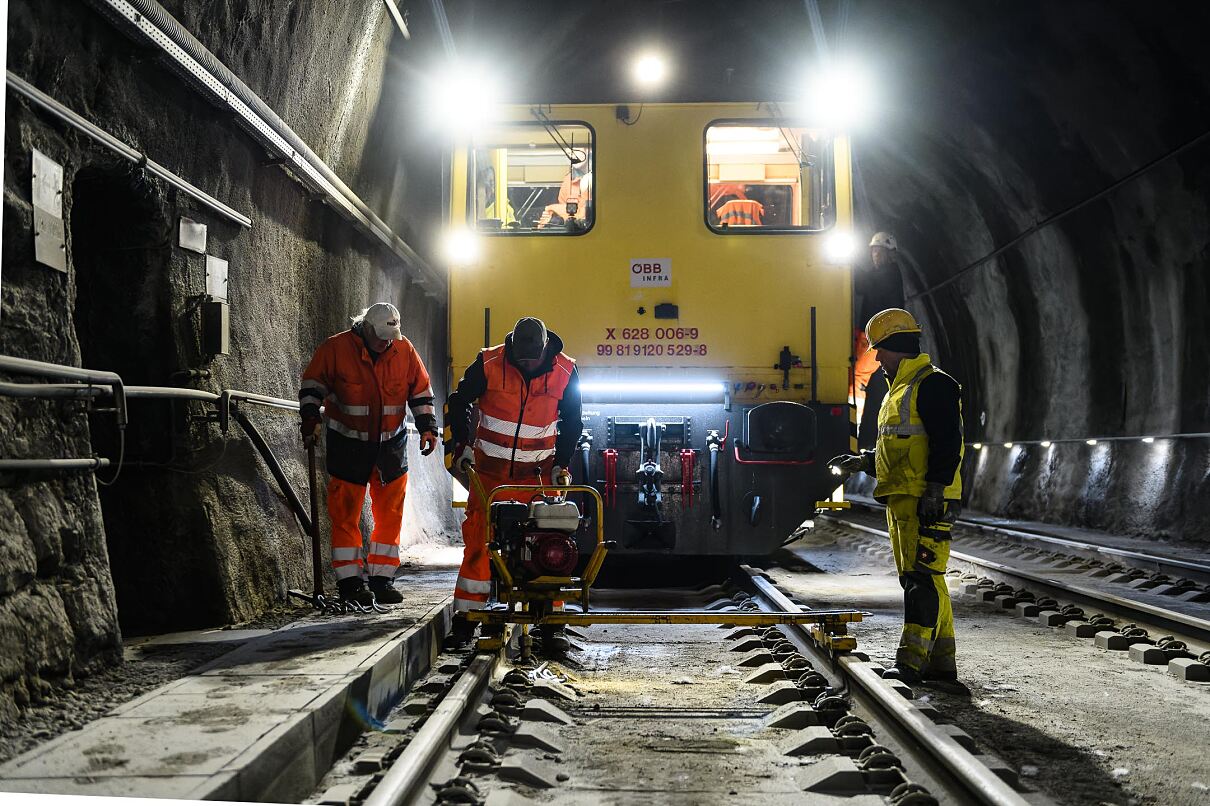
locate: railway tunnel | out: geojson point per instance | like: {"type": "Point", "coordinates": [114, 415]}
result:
{"type": "Point", "coordinates": [197, 195]}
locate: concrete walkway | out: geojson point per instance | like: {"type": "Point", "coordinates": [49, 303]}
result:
{"type": "Point", "coordinates": [263, 722]}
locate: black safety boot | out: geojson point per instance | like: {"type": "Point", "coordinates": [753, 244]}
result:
{"type": "Point", "coordinates": [462, 633]}
{"type": "Point", "coordinates": [354, 590]}
{"type": "Point", "coordinates": [384, 591]}
{"type": "Point", "coordinates": [905, 674]}
{"type": "Point", "coordinates": [946, 683]}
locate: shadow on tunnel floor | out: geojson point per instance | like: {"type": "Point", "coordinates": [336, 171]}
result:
{"type": "Point", "coordinates": [1069, 774]}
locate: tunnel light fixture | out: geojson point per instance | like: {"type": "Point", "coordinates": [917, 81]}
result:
{"type": "Point", "coordinates": [840, 247]}
{"type": "Point", "coordinates": [1149, 440]}
{"type": "Point", "coordinates": [1008, 444]}
{"type": "Point", "coordinates": [460, 247]}
{"type": "Point", "coordinates": [1090, 442]}
{"type": "Point", "coordinates": [1046, 443]}
{"type": "Point", "coordinates": [650, 70]}
{"type": "Point", "coordinates": [840, 95]}
{"type": "Point", "coordinates": [463, 97]}
{"type": "Point", "coordinates": [978, 446]}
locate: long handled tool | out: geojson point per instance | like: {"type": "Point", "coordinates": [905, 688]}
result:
{"type": "Point", "coordinates": [317, 567]}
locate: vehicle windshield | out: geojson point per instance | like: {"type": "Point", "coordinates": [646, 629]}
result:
{"type": "Point", "coordinates": [768, 177]}
{"type": "Point", "coordinates": [532, 179]}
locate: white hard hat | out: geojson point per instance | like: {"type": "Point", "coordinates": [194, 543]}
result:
{"type": "Point", "coordinates": [885, 240]}
{"type": "Point", "coordinates": [383, 317]}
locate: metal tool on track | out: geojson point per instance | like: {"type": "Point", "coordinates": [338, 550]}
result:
{"type": "Point", "coordinates": [533, 552]}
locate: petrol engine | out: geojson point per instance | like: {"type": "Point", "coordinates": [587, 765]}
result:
{"type": "Point", "coordinates": [536, 539]}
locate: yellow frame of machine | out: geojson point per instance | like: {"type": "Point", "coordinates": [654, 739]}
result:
{"type": "Point", "coordinates": [829, 630]}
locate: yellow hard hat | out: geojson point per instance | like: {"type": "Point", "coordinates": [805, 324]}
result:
{"type": "Point", "coordinates": [888, 323]}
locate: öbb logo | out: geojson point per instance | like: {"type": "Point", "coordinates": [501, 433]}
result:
{"type": "Point", "coordinates": [647, 268]}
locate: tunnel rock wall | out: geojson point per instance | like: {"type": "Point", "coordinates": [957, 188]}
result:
{"type": "Point", "coordinates": [1003, 115]}
{"type": "Point", "coordinates": [194, 532]}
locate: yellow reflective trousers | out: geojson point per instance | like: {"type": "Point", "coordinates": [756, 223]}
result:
{"type": "Point", "coordinates": [921, 554]}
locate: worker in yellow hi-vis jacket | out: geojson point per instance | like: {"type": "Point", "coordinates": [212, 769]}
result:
{"type": "Point", "coordinates": [917, 461]}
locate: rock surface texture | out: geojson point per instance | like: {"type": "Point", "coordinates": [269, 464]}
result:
{"type": "Point", "coordinates": [195, 532]}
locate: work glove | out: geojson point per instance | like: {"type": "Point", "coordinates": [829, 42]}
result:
{"type": "Point", "coordinates": [310, 429]}
{"type": "Point", "coordinates": [428, 442]}
{"type": "Point", "coordinates": [849, 463]}
{"type": "Point", "coordinates": [561, 476]}
{"type": "Point", "coordinates": [931, 507]}
{"type": "Point", "coordinates": [457, 457]}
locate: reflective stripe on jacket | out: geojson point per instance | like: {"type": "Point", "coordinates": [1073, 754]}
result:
{"type": "Point", "coordinates": [519, 418]}
{"type": "Point", "coordinates": [365, 403]}
{"type": "Point", "coordinates": [902, 453]}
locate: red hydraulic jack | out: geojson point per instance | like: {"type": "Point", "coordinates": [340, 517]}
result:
{"type": "Point", "coordinates": [610, 456]}
{"type": "Point", "coordinates": [687, 459]}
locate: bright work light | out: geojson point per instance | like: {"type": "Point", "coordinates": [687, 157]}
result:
{"type": "Point", "coordinates": [460, 247]}
{"type": "Point", "coordinates": [650, 70]}
{"type": "Point", "coordinates": [840, 247]}
{"type": "Point", "coordinates": [463, 97]}
{"type": "Point", "coordinates": [840, 96]}
{"type": "Point", "coordinates": [653, 387]}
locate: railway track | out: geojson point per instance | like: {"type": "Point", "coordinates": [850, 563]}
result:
{"type": "Point", "coordinates": [1085, 589]}
{"type": "Point", "coordinates": [672, 714]}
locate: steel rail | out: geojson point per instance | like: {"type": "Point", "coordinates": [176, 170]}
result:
{"type": "Point", "coordinates": [979, 783]}
{"type": "Point", "coordinates": [1112, 604]}
{"type": "Point", "coordinates": [1156, 562]}
{"type": "Point", "coordinates": [408, 776]}
{"type": "Point", "coordinates": [82, 124]}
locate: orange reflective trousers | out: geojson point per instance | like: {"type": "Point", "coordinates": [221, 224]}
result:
{"type": "Point", "coordinates": [344, 510]}
{"type": "Point", "coordinates": [474, 584]}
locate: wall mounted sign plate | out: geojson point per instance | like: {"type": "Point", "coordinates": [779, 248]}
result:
{"type": "Point", "coordinates": [192, 236]}
{"type": "Point", "coordinates": [50, 244]}
{"type": "Point", "coordinates": [216, 278]}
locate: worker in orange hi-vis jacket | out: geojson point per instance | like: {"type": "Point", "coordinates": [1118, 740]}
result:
{"type": "Point", "coordinates": [364, 378]}
{"type": "Point", "coordinates": [528, 394]}
{"type": "Point", "coordinates": [874, 289]}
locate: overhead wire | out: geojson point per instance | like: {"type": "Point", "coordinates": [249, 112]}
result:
{"type": "Point", "coordinates": [1038, 226]}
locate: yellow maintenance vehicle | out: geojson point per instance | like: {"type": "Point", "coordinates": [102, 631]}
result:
{"type": "Point", "coordinates": [694, 260]}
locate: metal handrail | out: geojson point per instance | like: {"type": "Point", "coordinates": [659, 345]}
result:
{"type": "Point", "coordinates": [44, 369]}
{"type": "Point", "coordinates": [100, 383]}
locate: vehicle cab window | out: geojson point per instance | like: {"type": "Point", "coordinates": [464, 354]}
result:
{"type": "Point", "coordinates": [766, 177]}
{"type": "Point", "coordinates": [532, 179]}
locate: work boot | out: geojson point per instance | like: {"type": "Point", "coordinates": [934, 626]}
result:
{"type": "Point", "coordinates": [354, 590]}
{"type": "Point", "coordinates": [904, 674]}
{"type": "Point", "coordinates": [384, 592]}
{"type": "Point", "coordinates": [462, 633]}
{"type": "Point", "coordinates": [946, 683]}
{"type": "Point", "coordinates": [555, 643]}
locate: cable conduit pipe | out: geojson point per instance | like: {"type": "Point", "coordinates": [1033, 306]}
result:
{"type": "Point", "coordinates": [82, 124]}
{"type": "Point", "coordinates": [43, 369]}
{"type": "Point", "coordinates": [94, 463]}
{"type": "Point", "coordinates": [149, 22]}
{"type": "Point", "coordinates": [43, 391]}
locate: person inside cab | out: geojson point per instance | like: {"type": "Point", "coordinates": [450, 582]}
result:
{"type": "Point", "coordinates": [575, 198]}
